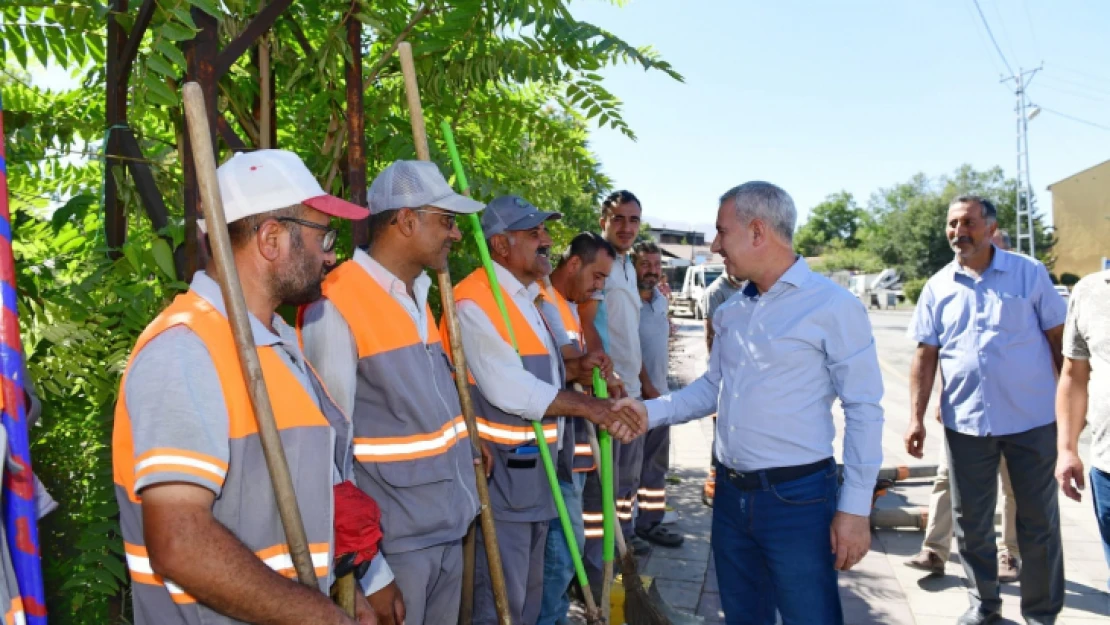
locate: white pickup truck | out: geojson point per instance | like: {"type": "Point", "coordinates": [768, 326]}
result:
{"type": "Point", "coordinates": [690, 299]}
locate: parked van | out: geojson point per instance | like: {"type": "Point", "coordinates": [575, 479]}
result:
{"type": "Point", "coordinates": [690, 299]}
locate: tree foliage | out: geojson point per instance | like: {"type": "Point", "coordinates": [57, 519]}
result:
{"type": "Point", "coordinates": [836, 221]}
{"type": "Point", "coordinates": [903, 225]}
{"type": "Point", "coordinates": [517, 79]}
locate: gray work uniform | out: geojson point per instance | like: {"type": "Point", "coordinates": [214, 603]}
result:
{"type": "Point", "coordinates": [655, 331]}
{"type": "Point", "coordinates": [520, 494]}
{"type": "Point", "coordinates": [183, 416]}
{"type": "Point", "coordinates": [411, 449]}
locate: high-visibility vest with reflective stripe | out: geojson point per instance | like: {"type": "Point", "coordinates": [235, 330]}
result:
{"type": "Point", "coordinates": [411, 447]}
{"type": "Point", "coordinates": [576, 455]}
{"type": "Point", "coordinates": [519, 490]}
{"type": "Point", "coordinates": [246, 505]}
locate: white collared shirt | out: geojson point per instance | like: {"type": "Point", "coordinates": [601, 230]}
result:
{"type": "Point", "coordinates": [496, 366]}
{"type": "Point", "coordinates": [329, 344]}
{"type": "Point", "coordinates": [779, 361]}
{"type": "Point", "coordinates": [417, 309]}
{"type": "Point", "coordinates": [618, 322]}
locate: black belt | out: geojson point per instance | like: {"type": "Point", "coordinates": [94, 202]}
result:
{"type": "Point", "coordinates": [754, 480]}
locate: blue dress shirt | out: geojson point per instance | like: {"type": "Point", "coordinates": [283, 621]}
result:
{"type": "Point", "coordinates": [777, 364]}
{"type": "Point", "coordinates": [996, 364]}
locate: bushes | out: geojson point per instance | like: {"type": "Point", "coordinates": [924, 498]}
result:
{"type": "Point", "coordinates": [912, 289]}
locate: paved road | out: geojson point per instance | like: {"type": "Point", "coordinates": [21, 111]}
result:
{"type": "Point", "coordinates": [881, 590]}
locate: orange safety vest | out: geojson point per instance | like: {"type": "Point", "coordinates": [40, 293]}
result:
{"type": "Point", "coordinates": [246, 505]}
{"type": "Point", "coordinates": [576, 438]}
{"type": "Point", "coordinates": [411, 443]}
{"type": "Point", "coordinates": [519, 490]}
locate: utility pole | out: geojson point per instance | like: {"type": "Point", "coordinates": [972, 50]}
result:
{"type": "Point", "coordinates": [1024, 201]}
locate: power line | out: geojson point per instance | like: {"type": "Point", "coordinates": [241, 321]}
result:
{"type": "Point", "coordinates": [1005, 31]}
{"type": "Point", "coordinates": [988, 27]}
{"type": "Point", "coordinates": [1077, 94]}
{"type": "Point", "coordinates": [1072, 84]}
{"type": "Point", "coordinates": [1075, 119]}
{"type": "Point", "coordinates": [1032, 32]}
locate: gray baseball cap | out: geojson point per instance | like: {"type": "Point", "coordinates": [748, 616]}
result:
{"type": "Point", "coordinates": [512, 212]}
{"type": "Point", "coordinates": [412, 184]}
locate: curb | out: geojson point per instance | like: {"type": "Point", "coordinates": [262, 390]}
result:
{"type": "Point", "coordinates": [906, 518]}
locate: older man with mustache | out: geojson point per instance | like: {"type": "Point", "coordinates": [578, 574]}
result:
{"type": "Point", "coordinates": [995, 324]}
{"type": "Point", "coordinates": [517, 383]}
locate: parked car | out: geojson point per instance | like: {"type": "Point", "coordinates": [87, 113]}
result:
{"type": "Point", "coordinates": [1063, 291]}
{"type": "Point", "coordinates": [690, 299]}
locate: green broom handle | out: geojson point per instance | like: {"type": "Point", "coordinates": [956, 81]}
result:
{"type": "Point", "coordinates": [537, 426]}
{"type": "Point", "coordinates": [601, 391]}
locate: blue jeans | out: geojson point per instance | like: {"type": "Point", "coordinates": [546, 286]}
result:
{"type": "Point", "coordinates": [558, 568]}
{"type": "Point", "coordinates": [772, 548]}
{"type": "Point", "coordinates": [1100, 495]}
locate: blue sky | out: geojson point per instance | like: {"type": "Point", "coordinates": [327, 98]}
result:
{"type": "Point", "coordinates": [858, 95]}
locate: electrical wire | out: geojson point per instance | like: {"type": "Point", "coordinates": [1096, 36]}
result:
{"type": "Point", "coordinates": [1032, 32]}
{"type": "Point", "coordinates": [1076, 119]}
{"type": "Point", "coordinates": [991, 34]}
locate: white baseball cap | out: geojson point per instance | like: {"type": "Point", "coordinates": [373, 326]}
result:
{"type": "Point", "coordinates": [261, 181]}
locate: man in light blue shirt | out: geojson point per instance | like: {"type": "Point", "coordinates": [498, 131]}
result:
{"type": "Point", "coordinates": [995, 324]}
{"type": "Point", "coordinates": [789, 345]}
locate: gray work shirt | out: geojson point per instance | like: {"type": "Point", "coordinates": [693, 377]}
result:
{"type": "Point", "coordinates": [175, 398]}
{"type": "Point", "coordinates": [1087, 337]}
{"type": "Point", "coordinates": [655, 330]}
{"type": "Point", "coordinates": [718, 292]}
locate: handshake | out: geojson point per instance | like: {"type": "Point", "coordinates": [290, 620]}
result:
{"type": "Point", "coordinates": [625, 419]}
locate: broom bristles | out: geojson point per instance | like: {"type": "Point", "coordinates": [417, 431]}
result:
{"type": "Point", "coordinates": [639, 609]}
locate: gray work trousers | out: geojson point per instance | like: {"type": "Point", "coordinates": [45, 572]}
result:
{"type": "Point", "coordinates": [1031, 459]}
{"type": "Point", "coordinates": [629, 461]}
{"type": "Point", "coordinates": [522, 548]}
{"type": "Point", "coordinates": [651, 497]}
{"type": "Point", "coordinates": [430, 580]}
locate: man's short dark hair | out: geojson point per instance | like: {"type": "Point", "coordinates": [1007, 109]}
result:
{"type": "Point", "coordinates": [586, 247]}
{"type": "Point", "coordinates": [378, 222]}
{"type": "Point", "coordinates": [617, 198]}
{"type": "Point", "coordinates": [989, 211]}
{"type": "Point", "coordinates": [645, 247]}
{"type": "Point", "coordinates": [241, 230]}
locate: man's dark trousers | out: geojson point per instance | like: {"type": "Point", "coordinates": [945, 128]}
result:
{"type": "Point", "coordinates": [973, 467]}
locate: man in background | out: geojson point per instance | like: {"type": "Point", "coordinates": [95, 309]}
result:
{"type": "Point", "coordinates": [654, 341]}
{"type": "Point", "coordinates": [937, 545]}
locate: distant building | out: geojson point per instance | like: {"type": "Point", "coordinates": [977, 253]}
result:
{"type": "Point", "coordinates": [679, 237]}
{"type": "Point", "coordinates": [682, 248]}
{"type": "Point", "coordinates": [1081, 217]}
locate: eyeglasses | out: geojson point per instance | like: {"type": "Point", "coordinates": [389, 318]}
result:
{"type": "Point", "coordinates": [447, 219]}
{"type": "Point", "coordinates": [330, 234]}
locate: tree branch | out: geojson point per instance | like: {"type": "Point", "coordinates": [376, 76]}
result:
{"type": "Point", "coordinates": [420, 14]}
{"type": "Point", "coordinates": [134, 38]}
{"type": "Point", "coordinates": [259, 25]}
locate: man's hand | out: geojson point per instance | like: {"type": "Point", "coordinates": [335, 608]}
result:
{"type": "Point", "coordinates": [387, 605]}
{"type": "Point", "coordinates": [364, 614]}
{"type": "Point", "coordinates": [595, 358]}
{"type": "Point", "coordinates": [616, 386]}
{"type": "Point", "coordinates": [1069, 473]}
{"type": "Point", "coordinates": [634, 409]}
{"type": "Point", "coordinates": [624, 423]}
{"type": "Point", "coordinates": [851, 539]}
{"type": "Point", "coordinates": [940, 415]}
{"type": "Point", "coordinates": [648, 390]}
{"type": "Point", "coordinates": [915, 439]}
{"type": "Point", "coordinates": [487, 458]}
